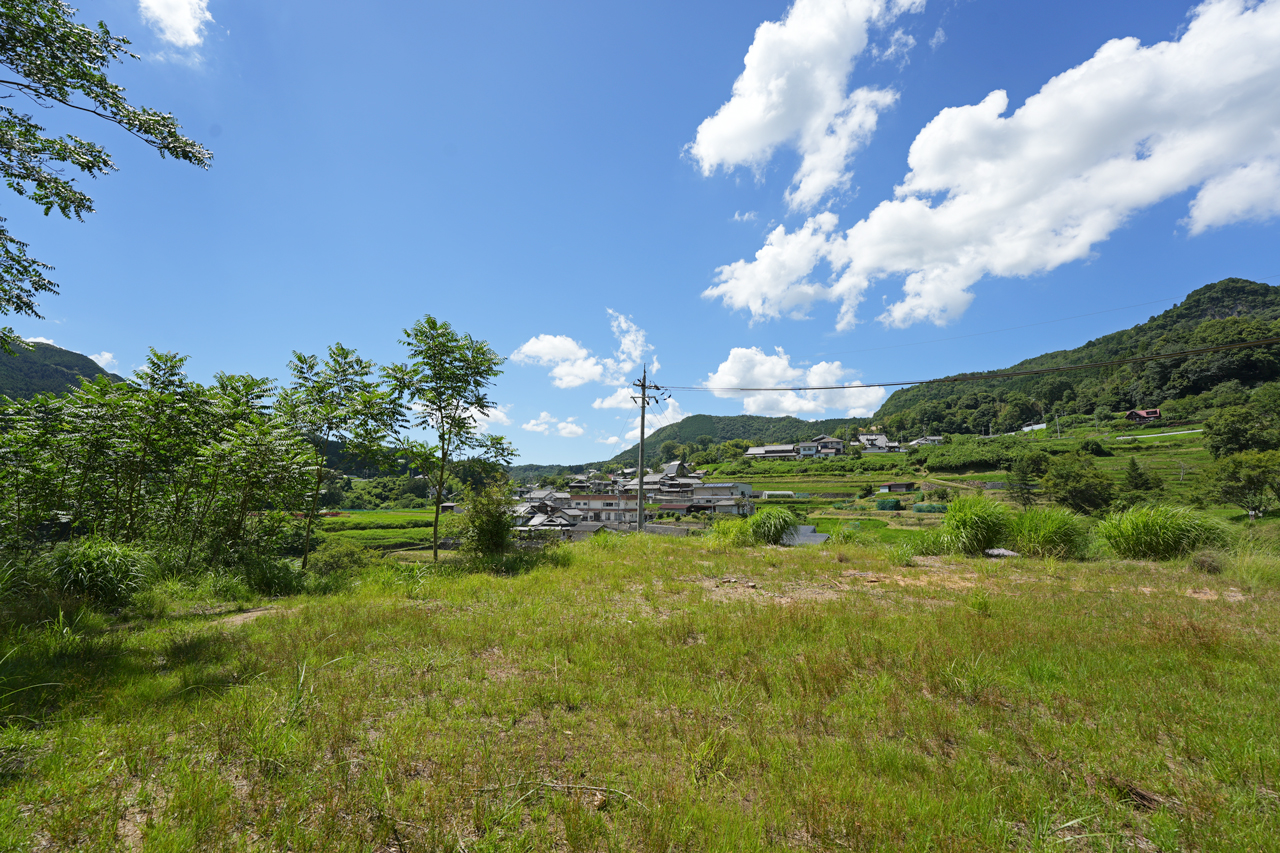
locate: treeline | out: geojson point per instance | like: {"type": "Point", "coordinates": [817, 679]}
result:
{"type": "Point", "coordinates": [1230, 311]}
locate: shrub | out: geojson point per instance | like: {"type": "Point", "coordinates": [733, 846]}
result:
{"type": "Point", "coordinates": [338, 556]}
{"type": "Point", "coordinates": [101, 571]}
{"type": "Point", "coordinates": [1050, 532]}
{"type": "Point", "coordinates": [1160, 532]}
{"type": "Point", "coordinates": [889, 505]}
{"type": "Point", "coordinates": [973, 524]}
{"type": "Point", "coordinates": [771, 526]}
{"type": "Point", "coordinates": [489, 522]}
{"type": "Point", "coordinates": [269, 576]}
{"type": "Point", "coordinates": [1209, 561]}
{"type": "Point", "coordinates": [929, 508]}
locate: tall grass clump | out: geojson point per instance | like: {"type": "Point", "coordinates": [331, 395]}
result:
{"type": "Point", "coordinates": [1160, 532]}
{"type": "Point", "coordinates": [1050, 532]}
{"type": "Point", "coordinates": [771, 526]}
{"type": "Point", "coordinates": [974, 523]}
{"type": "Point", "coordinates": [100, 571]}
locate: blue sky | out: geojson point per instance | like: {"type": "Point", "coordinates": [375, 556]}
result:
{"type": "Point", "coordinates": [747, 193]}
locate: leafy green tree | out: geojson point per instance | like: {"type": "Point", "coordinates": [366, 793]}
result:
{"type": "Point", "coordinates": [1235, 429]}
{"type": "Point", "coordinates": [445, 385]}
{"type": "Point", "coordinates": [337, 399]}
{"type": "Point", "coordinates": [1022, 480]}
{"type": "Point", "coordinates": [1074, 481]}
{"type": "Point", "coordinates": [51, 60]}
{"type": "Point", "coordinates": [488, 518]}
{"type": "Point", "coordinates": [1249, 480]}
{"type": "Point", "coordinates": [668, 451]}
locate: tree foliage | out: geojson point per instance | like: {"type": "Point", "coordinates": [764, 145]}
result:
{"type": "Point", "coordinates": [445, 386]}
{"type": "Point", "coordinates": [1249, 480]}
{"type": "Point", "coordinates": [52, 61]}
{"type": "Point", "coordinates": [1073, 481]}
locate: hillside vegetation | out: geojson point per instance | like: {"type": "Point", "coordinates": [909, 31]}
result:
{"type": "Point", "coordinates": [46, 369]}
{"type": "Point", "coordinates": [1229, 311]}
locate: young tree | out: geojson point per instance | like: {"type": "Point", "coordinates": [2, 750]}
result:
{"type": "Point", "coordinates": [1022, 480]}
{"type": "Point", "coordinates": [1072, 480]}
{"type": "Point", "coordinates": [336, 400]}
{"type": "Point", "coordinates": [445, 385]}
{"type": "Point", "coordinates": [1249, 480]}
{"type": "Point", "coordinates": [49, 60]}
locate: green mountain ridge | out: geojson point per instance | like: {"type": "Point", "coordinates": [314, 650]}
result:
{"type": "Point", "coordinates": [46, 368]}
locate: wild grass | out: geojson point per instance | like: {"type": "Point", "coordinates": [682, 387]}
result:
{"type": "Point", "coordinates": [1160, 532]}
{"type": "Point", "coordinates": [621, 694]}
{"type": "Point", "coordinates": [974, 523]}
{"type": "Point", "coordinates": [1049, 532]}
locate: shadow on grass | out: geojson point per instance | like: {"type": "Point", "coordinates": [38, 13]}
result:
{"type": "Point", "coordinates": [50, 667]}
{"type": "Point", "coordinates": [517, 562]}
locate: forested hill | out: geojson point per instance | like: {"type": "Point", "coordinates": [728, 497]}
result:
{"type": "Point", "coordinates": [1227, 311]}
{"type": "Point", "coordinates": [46, 368]}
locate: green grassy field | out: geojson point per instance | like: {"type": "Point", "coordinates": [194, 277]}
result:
{"type": "Point", "coordinates": [656, 694]}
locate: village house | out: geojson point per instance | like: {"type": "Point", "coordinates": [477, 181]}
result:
{"type": "Point", "coordinates": [1142, 416]}
{"type": "Point", "coordinates": [606, 507]}
{"type": "Point", "coordinates": [926, 439]}
{"type": "Point", "coordinates": [824, 446]}
{"type": "Point", "coordinates": [878, 442]}
{"type": "Point", "coordinates": [897, 487]}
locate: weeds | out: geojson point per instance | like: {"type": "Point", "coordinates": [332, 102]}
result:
{"type": "Point", "coordinates": [973, 524]}
{"type": "Point", "coordinates": [1159, 532]}
{"type": "Point", "coordinates": [1049, 532]}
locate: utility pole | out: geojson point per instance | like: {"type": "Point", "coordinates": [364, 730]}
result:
{"type": "Point", "coordinates": [643, 400]}
{"type": "Point", "coordinates": [1057, 424]}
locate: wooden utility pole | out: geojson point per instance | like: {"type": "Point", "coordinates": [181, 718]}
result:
{"type": "Point", "coordinates": [643, 400]}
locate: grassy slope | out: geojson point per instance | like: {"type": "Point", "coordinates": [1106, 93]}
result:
{"type": "Point", "coordinates": [622, 697]}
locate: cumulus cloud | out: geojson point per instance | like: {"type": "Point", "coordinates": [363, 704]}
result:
{"type": "Point", "coordinates": [753, 368]}
{"type": "Point", "coordinates": [546, 421]}
{"type": "Point", "coordinates": [104, 359]}
{"type": "Point", "coordinates": [793, 90]}
{"type": "Point", "coordinates": [38, 340]}
{"type": "Point", "coordinates": [619, 399]}
{"type": "Point", "coordinates": [669, 412]}
{"type": "Point", "coordinates": [179, 22]}
{"type": "Point", "coordinates": [613, 439]}
{"type": "Point", "coordinates": [568, 429]}
{"type": "Point", "coordinates": [749, 216]}
{"type": "Point", "coordinates": [572, 364]}
{"type": "Point", "coordinates": [498, 415]}
{"type": "Point", "coordinates": [1021, 194]}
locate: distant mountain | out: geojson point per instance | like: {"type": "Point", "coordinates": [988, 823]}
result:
{"type": "Point", "coordinates": [754, 428]}
{"type": "Point", "coordinates": [46, 368]}
{"type": "Point", "coordinates": [1229, 311]}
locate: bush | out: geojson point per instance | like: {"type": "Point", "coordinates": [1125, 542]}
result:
{"type": "Point", "coordinates": [338, 556]}
{"type": "Point", "coordinates": [973, 524]}
{"type": "Point", "coordinates": [1160, 532]}
{"type": "Point", "coordinates": [489, 522]}
{"type": "Point", "coordinates": [1050, 532]}
{"type": "Point", "coordinates": [99, 570]}
{"type": "Point", "coordinates": [929, 508]}
{"type": "Point", "coordinates": [889, 505]}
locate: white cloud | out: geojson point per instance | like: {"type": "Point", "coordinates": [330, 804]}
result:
{"type": "Point", "coordinates": [567, 429]}
{"type": "Point", "coordinates": [619, 399]}
{"type": "Point", "coordinates": [898, 50]}
{"type": "Point", "coordinates": [1018, 195]}
{"type": "Point", "coordinates": [749, 216]}
{"type": "Point", "coordinates": [669, 412]}
{"type": "Point", "coordinates": [613, 439]}
{"type": "Point", "coordinates": [179, 22]}
{"type": "Point", "coordinates": [752, 368]}
{"type": "Point", "coordinates": [104, 359]}
{"type": "Point", "coordinates": [545, 421]}
{"type": "Point", "coordinates": [793, 91]}
{"type": "Point", "coordinates": [38, 340]}
{"type": "Point", "coordinates": [776, 282]}
{"type": "Point", "coordinates": [498, 415]}
{"type": "Point", "coordinates": [541, 424]}
{"type": "Point", "coordinates": [572, 364]}
{"type": "Point", "coordinates": [939, 37]}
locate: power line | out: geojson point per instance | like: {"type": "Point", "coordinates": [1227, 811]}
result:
{"type": "Point", "coordinates": [974, 377]}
